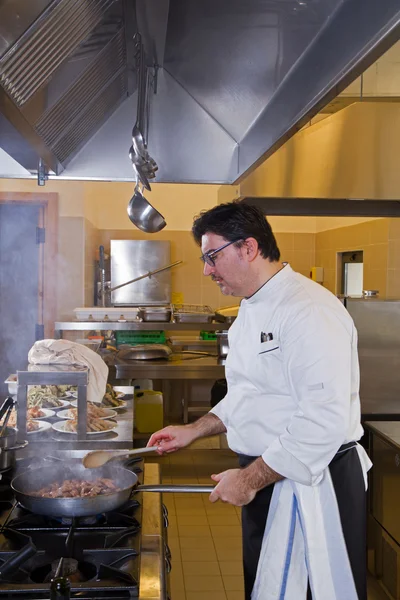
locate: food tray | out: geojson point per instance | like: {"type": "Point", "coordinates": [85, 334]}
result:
{"type": "Point", "coordinates": [193, 313]}
{"type": "Point", "coordinates": [106, 313]}
{"type": "Point", "coordinates": [155, 314]}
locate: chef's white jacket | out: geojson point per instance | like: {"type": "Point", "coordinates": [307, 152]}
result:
{"type": "Point", "coordinates": [294, 399]}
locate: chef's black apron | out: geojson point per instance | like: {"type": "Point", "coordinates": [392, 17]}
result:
{"type": "Point", "coordinates": [348, 483]}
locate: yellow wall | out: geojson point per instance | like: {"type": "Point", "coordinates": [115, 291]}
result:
{"type": "Point", "coordinates": [106, 203]}
{"type": "Point", "coordinates": [351, 154]}
{"type": "Point", "coordinates": [371, 237]}
{"type": "Point", "coordinates": [94, 213]}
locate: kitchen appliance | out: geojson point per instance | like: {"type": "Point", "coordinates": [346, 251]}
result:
{"type": "Point", "coordinates": [102, 551]}
{"type": "Point", "coordinates": [378, 324]}
{"type": "Point", "coordinates": [131, 259]}
{"type": "Point", "coordinates": [222, 344]}
{"type": "Point", "coordinates": [261, 84]}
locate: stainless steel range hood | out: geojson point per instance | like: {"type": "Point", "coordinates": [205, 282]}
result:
{"type": "Point", "coordinates": [234, 80]}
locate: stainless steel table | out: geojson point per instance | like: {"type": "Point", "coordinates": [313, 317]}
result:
{"type": "Point", "coordinates": [178, 367]}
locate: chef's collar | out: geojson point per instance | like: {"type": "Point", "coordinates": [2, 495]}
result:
{"type": "Point", "coordinates": [276, 280]}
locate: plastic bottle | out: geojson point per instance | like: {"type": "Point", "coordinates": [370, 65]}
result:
{"type": "Point", "coordinates": [149, 411]}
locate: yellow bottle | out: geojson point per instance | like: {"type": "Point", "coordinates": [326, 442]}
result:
{"type": "Point", "coordinates": [149, 411]}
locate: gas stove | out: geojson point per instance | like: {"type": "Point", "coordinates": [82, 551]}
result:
{"type": "Point", "coordinates": [100, 553]}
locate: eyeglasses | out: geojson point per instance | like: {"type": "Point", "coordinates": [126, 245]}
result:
{"type": "Point", "coordinates": [208, 257]}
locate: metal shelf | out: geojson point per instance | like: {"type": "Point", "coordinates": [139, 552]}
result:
{"type": "Point", "coordinates": [60, 326]}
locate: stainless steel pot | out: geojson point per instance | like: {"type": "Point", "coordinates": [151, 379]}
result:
{"type": "Point", "coordinates": [8, 448]}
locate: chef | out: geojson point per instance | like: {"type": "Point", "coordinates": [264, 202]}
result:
{"type": "Point", "coordinates": [292, 410]}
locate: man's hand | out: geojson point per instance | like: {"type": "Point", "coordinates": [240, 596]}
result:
{"type": "Point", "coordinates": [232, 488]}
{"type": "Point", "coordinates": [239, 486]}
{"type": "Point", "coordinates": [173, 438]}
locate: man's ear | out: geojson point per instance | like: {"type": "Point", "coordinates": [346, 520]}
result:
{"type": "Point", "coordinates": [250, 249]}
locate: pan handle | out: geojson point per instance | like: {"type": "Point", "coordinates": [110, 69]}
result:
{"type": "Point", "coordinates": [16, 447]}
{"type": "Point", "coordinates": [201, 489]}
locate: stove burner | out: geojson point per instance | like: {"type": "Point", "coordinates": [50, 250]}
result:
{"type": "Point", "coordinates": [76, 571]}
{"type": "Point", "coordinates": [103, 550]}
{"type": "Point", "coordinates": [94, 520]}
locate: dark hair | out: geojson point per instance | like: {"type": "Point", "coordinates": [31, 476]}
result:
{"type": "Point", "coordinates": [237, 221]}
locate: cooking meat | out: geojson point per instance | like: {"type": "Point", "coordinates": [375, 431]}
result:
{"type": "Point", "coordinates": [77, 488]}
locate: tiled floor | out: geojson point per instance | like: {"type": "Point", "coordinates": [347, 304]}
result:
{"type": "Point", "coordinates": [204, 538]}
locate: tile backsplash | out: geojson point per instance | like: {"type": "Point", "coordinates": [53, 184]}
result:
{"type": "Point", "coordinates": [378, 239]}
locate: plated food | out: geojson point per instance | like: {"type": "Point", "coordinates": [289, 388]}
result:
{"type": "Point", "coordinates": [32, 414]}
{"type": "Point", "coordinates": [94, 411]}
{"type": "Point", "coordinates": [45, 397]}
{"type": "Point", "coordinates": [75, 488]}
{"type": "Point", "coordinates": [37, 426]}
{"type": "Point", "coordinates": [32, 426]}
{"type": "Point", "coordinates": [94, 426]}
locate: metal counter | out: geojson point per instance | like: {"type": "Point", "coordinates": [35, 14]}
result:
{"type": "Point", "coordinates": [178, 366]}
{"type": "Point", "coordinates": [152, 580]}
{"type": "Point", "coordinates": [387, 430]}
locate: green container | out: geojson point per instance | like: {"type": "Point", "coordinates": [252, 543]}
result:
{"type": "Point", "coordinates": [140, 337]}
{"type": "Point", "coordinates": [208, 335]}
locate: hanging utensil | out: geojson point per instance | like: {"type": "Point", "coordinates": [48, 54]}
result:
{"type": "Point", "coordinates": [137, 131]}
{"type": "Point", "coordinates": [143, 214]}
{"type": "Point", "coordinates": [141, 177]}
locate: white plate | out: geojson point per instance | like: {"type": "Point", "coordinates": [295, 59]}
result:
{"type": "Point", "coordinates": [43, 426]}
{"type": "Point", "coordinates": [64, 404]}
{"type": "Point", "coordinates": [48, 412]}
{"type": "Point", "coordinates": [60, 426]}
{"type": "Point", "coordinates": [63, 414]}
{"type": "Point", "coordinates": [123, 405]}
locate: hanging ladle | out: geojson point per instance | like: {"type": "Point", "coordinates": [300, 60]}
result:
{"type": "Point", "coordinates": [143, 214]}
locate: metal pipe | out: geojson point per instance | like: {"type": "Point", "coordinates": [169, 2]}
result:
{"type": "Point", "coordinates": [149, 274]}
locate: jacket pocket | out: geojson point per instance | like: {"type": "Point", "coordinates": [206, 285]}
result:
{"type": "Point", "coordinates": [270, 346]}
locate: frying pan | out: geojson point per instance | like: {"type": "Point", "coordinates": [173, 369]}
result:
{"type": "Point", "coordinates": [25, 484]}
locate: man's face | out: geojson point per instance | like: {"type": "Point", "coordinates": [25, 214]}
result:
{"type": "Point", "coordinates": [230, 268]}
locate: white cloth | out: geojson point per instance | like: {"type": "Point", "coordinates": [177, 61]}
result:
{"type": "Point", "coordinates": [64, 352]}
{"type": "Point", "coordinates": [303, 540]}
{"type": "Point", "coordinates": [294, 400]}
